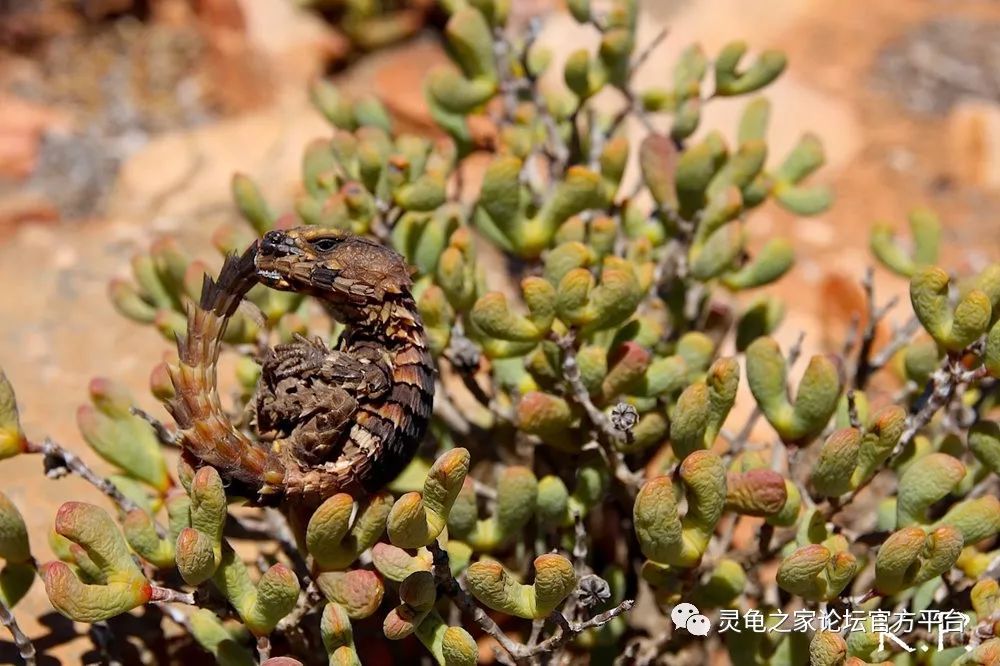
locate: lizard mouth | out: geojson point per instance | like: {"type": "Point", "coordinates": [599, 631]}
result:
{"type": "Point", "coordinates": [274, 252]}
{"type": "Point", "coordinates": [272, 278]}
{"type": "Point", "coordinates": [267, 274]}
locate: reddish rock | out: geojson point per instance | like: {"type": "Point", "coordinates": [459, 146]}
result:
{"type": "Point", "coordinates": [298, 43]}
{"type": "Point", "coordinates": [21, 208]}
{"type": "Point", "coordinates": [238, 77]}
{"type": "Point", "coordinates": [398, 80]}
{"type": "Point", "coordinates": [845, 305]}
{"type": "Point", "coordinates": [22, 124]}
{"type": "Point", "coordinates": [220, 14]}
{"type": "Point", "coordinates": [974, 143]}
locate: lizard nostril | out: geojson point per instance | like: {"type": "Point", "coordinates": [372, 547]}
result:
{"type": "Point", "coordinates": [272, 244]}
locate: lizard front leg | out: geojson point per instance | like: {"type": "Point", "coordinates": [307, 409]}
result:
{"type": "Point", "coordinates": [301, 358]}
{"type": "Point", "coordinates": [309, 393]}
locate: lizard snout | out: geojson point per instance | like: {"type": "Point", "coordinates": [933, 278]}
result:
{"type": "Point", "coordinates": [274, 244]}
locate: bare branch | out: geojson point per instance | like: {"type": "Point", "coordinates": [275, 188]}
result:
{"type": "Point", "coordinates": [795, 350]}
{"type": "Point", "coordinates": [647, 51]}
{"type": "Point", "coordinates": [163, 434]}
{"type": "Point", "coordinates": [631, 105]}
{"type": "Point", "coordinates": [519, 653]}
{"type": "Point", "coordinates": [60, 460]}
{"type": "Point", "coordinates": [865, 367]}
{"type": "Point", "coordinates": [672, 264]}
{"type": "Point", "coordinates": [852, 409]}
{"type": "Point", "coordinates": [612, 436]}
{"type": "Point", "coordinates": [900, 337]}
{"type": "Point", "coordinates": [166, 595]}
{"type": "Point", "coordinates": [567, 630]}
{"type": "Point", "coordinates": [309, 599]}
{"type": "Point", "coordinates": [25, 647]}
{"type": "Point", "coordinates": [263, 648]}
{"type": "Point", "coordinates": [571, 370]}
{"type": "Point", "coordinates": [274, 526]}
{"type": "Point", "coordinates": [945, 383]}
{"type": "Point", "coordinates": [560, 151]}
{"type": "Point", "coordinates": [446, 410]}
{"type": "Point", "coordinates": [447, 583]}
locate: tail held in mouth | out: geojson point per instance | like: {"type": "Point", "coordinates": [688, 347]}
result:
{"type": "Point", "coordinates": [208, 434]}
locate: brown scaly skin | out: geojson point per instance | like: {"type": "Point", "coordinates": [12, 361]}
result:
{"type": "Point", "coordinates": [342, 420]}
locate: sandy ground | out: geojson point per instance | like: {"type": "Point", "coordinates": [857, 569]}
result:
{"type": "Point", "coordinates": [856, 69]}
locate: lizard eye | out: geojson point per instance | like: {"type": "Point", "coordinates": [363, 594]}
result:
{"type": "Point", "coordinates": [324, 244]}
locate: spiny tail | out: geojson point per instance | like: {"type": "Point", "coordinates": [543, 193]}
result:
{"type": "Point", "coordinates": [208, 434]}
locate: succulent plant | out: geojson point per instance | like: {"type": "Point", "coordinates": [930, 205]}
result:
{"type": "Point", "coordinates": [590, 444]}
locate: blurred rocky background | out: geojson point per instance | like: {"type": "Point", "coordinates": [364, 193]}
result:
{"type": "Point", "coordinates": [121, 120]}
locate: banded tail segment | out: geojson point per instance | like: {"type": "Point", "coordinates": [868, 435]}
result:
{"type": "Point", "coordinates": [207, 432]}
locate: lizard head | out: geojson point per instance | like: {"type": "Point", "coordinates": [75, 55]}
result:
{"type": "Point", "coordinates": [344, 270]}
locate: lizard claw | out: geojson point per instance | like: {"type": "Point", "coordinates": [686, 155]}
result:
{"type": "Point", "coordinates": [302, 357]}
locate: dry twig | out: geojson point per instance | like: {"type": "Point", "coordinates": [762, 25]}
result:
{"type": "Point", "coordinates": [60, 461]}
{"type": "Point", "coordinates": [25, 647]}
